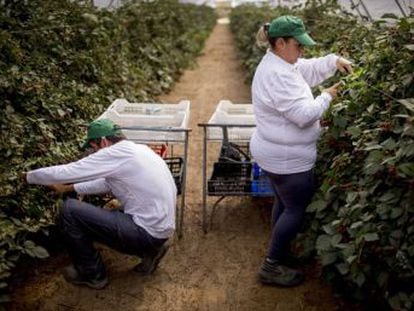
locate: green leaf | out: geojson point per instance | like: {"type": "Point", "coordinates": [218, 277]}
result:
{"type": "Point", "coordinates": [318, 205]}
{"type": "Point", "coordinates": [360, 279]}
{"type": "Point", "coordinates": [387, 197]}
{"type": "Point", "coordinates": [90, 17]}
{"type": "Point", "coordinates": [397, 234]}
{"type": "Point", "coordinates": [329, 258]}
{"type": "Point", "coordinates": [329, 229]}
{"type": "Point", "coordinates": [9, 109]}
{"type": "Point", "coordinates": [340, 121]}
{"type": "Point", "coordinates": [60, 112]}
{"type": "Point", "coordinates": [406, 169]}
{"type": "Point", "coordinates": [351, 196]}
{"type": "Point", "coordinates": [354, 131]}
{"type": "Point", "coordinates": [395, 302]}
{"type": "Point", "coordinates": [28, 244]}
{"type": "Point", "coordinates": [411, 250]}
{"type": "Point", "coordinates": [351, 259]}
{"type": "Point", "coordinates": [382, 279]}
{"type": "Point", "coordinates": [403, 116]}
{"type": "Point", "coordinates": [369, 237]}
{"type": "Point", "coordinates": [389, 144]}
{"type": "Point", "coordinates": [40, 252]}
{"type": "Point", "coordinates": [372, 168]}
{"type": "Point", "coordinates": [356, 224]}
{"type": "Point", "coordinates": [372, 146]}
{"type": "Point", "coordinates": [396, 212]}
{"type": "Point", "coordinates": [408, 103]}
{"type": "Point", "coordinates": [409, 47]}
{"type": "Point", "coordinates": [389, 15]}
{"type": "Point", "coordinates": [323, 242]}
{"type": "Point", "coordinates": [336, 239]}
{"type": "Point", "coordinates": [343, 268]}
{"type": "Point", "coordinates": [406, 150]}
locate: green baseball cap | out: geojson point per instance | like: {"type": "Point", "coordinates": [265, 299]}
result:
{"type": "Point", "coordinates": [101, 128]}
{"type": "Point", "coordinates": [290, 26]}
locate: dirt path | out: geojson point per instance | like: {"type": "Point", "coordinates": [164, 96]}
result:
{"type": "Point", "coordinates": [216, 271]}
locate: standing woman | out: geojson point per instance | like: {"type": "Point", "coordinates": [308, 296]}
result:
{"type": "Point", "coordinates": [284, 143]}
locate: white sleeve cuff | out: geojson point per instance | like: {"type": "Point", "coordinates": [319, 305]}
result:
{"type": "Point", "coordinates": [332, 61]}
{"type": "Point", "coordinates": [326, 96]}
{"type": "Point", "coordinates": [77, 188]}
{"type": "Point", "coordinates": [326, 99]}
{"type": "Point", "coordinates": [96, 186]}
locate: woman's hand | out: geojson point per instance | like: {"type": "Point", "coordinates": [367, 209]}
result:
{"type": "Point", "coordinates": [344, 65]}
{"type": "Point", "coordinates": [333, 90]}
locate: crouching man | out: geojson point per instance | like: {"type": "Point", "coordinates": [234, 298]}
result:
{"type": "Point", "coordinates": [138, 178]}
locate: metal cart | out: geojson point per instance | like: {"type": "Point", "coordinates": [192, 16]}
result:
{"type": "Point", "coordinates": [164, 127]}
{"type": "Point", "coordinates": [234, 173]}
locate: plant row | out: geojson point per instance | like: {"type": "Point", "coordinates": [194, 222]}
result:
{"type": "Point", "coordinates": [361, 220]}
{"type": "Point", "coordinates": [61, 63]}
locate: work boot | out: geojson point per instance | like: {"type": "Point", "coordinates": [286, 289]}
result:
{"type": "Point", "coordinates": [149, 262]}
{"type": "Point", "coordinates": [278, 274]}
{"type": "Point", "coordinates": [71, 275]}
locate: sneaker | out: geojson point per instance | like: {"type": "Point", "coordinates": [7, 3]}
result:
{"type": "Point", "coordinates": [277, 274]}
{"type": "Point", "coordinates": [292, 261]}
{"type": "Point", "coordinates": [149, 262]}
{"type": "Point", "coordinates": [71, 275]}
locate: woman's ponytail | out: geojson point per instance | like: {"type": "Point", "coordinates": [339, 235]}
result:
{"type": "Point", "coordinates": [262, 39]}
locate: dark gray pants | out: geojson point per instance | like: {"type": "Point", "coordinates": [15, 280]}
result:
{"type": "Point", "coordinates": [82, 224]}
{"type": "Point", "coordinates": [293, 194]}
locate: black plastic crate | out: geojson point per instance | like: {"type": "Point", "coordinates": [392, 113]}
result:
{"type": "Point", "coordinates": [234, 152]}
{"type": "Point", "coordinates": [176, 166]}
{"type": "Point", "coordinates": [230, 178]}
{"type": "Point", "coordinates": [230, 170]}
{"type": "Point", "coordinates": [228, 187]}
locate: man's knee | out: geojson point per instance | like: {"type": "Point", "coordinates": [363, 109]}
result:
{"type": "Point", "coordinates": [71, 202]}
{"type": "Point", "coordinates": [69, 215]}
{"type": "Point", "coordinates": [66, 211]}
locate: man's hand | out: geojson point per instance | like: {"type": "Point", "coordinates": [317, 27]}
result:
{"type": "Point", "coordinates": [344, 65]}
{"type": "Point", "coordinates": [113, 204]}
{"type": "Point", "coordinates": [62, 188]}
{"type": "Point", "coordinates": [333, 90]}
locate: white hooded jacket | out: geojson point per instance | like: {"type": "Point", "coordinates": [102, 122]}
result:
{"type": "Point", "coordinates": [287, 115]}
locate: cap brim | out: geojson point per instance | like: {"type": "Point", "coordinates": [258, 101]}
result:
{"type": "Point", "coordinates": [305, 39]}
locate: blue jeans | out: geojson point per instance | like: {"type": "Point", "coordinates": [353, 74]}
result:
{"type": "Point", "coordinates": [82, 224]}
{"type": "Point", "coordinates": [293, 194]}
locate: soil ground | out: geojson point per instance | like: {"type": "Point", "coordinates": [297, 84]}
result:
{"type": "Point", "coordinates": [213, 271]}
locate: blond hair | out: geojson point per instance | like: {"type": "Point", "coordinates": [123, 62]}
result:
{"type": "Point", "coordinates": [262, 39]}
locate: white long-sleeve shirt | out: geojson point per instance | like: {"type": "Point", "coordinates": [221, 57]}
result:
{"type": "Point", "coordinates": [133, 173]}
{"type": "Point", "coordinates": [287, 115]}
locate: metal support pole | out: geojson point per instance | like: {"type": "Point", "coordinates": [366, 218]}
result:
{"type": "Point", "coordinates": [205, 179]}
{"type": "Point", "coordinates": [400, 7]}
{"type": "Point", "coordinates": [356, 7]}
{"type": "Point", "coordinates": [366, 10]}
{"type": "Point", "coordinates": [183, 186]}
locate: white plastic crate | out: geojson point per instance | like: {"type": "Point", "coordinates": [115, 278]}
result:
{"type": "Point", "coordinates": [151, 116]}
{"type": "Point", "coordinates": [228, 113]}
{"type": "Point", "coordinates": [238, 109]}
